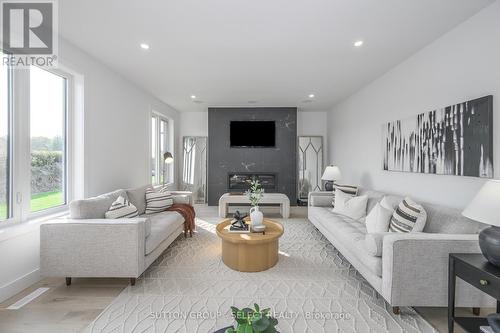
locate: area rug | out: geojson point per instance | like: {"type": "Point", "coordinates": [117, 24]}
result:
{"type": "Point", "coordinates": [311, 289]}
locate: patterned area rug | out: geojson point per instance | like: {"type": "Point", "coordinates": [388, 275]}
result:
{"type": "Point", "coordinates": [311, 289]}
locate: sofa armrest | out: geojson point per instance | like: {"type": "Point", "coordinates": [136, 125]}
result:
{"type": "Point", "coordinates": [415, 269]}
{"type": "Point", "coordinates": [93, 247]}
{"type": "Point", "coordinates": [320, 199]}
{"type": "Point", "coordinates": [182, 197]}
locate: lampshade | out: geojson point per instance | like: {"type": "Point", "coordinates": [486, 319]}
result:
{"type": "Point", "coordinates": [485, 207]}
{"type": "Point", "coordinates": [332, 172]}
{"type": "Point", "coordinates": [168, 158]}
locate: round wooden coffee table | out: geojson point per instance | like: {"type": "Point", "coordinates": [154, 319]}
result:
{"type": "Point", "coordinates": [252, 252]}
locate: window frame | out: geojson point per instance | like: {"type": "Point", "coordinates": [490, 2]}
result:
{"type": "Point", "coordinates": [10, 148]}
{"type": "Point", "coordinates": [156, 135]}
{"type": "Point", "coordinates": [20, 147]}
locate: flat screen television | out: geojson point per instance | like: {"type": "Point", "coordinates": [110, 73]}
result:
{"type": "Point", "coordinates": [253, 134]}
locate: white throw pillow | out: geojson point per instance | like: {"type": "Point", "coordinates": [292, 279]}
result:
{"type": "Point", "coordinates": [120, 209]}
{"type": "Point", "coordinates": [157, 202]}
{"type": "Point", "coordinates": [390, 202]}
{"type": "Point", "coordinates": [408, 217]}
{"type": "Point", "coordinates": [378, 219]}
{"type": "Point", "coordinates": [353, 207]}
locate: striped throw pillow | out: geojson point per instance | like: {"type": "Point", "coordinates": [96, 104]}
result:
{"type": "Point", "coordinates": [157, 202]}
{"type": "Point", "coordinates": [347, 189]}
{"type": "Point", "coordinates": [408, 217]}
{"type": "Point", "coordinates": [121, 209]}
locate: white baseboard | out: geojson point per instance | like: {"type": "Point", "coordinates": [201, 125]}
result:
{"type": "Point", "coordinates": [18, 285]}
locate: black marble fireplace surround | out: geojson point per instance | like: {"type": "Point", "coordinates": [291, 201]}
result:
{"type": "Point", "coordinates": [225, 161]}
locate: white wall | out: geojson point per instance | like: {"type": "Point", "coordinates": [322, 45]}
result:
{"type": "Point", "coordinates": [461, 65]}
{"type": "Point", "coordinates": [117, 155]}
{"type": "Point", "coordinates": [193, 124]}
{"type": "Point", "coordinates": [117, 125]}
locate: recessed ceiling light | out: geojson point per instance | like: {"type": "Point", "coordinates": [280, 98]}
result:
{"type": "Point", "coordinates": [193, 96]}
{"type": "Point", "coordinates": [144, 46]}
{"type": "Point", "coordinates": [358, 43]}
{"type": "Point", "coordinates": [311, 96]}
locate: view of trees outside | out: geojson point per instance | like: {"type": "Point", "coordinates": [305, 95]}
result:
{"type": "Point", "coordinates": [47, 126]}
{"type": "Point", "coordinates": [3, 140]}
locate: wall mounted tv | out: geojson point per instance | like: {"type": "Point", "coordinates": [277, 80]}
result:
{"type": "Point", "coordinates": [253, 134]}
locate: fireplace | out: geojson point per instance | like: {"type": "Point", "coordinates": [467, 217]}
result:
{"type": "Point", "coordinates": [239, 181]}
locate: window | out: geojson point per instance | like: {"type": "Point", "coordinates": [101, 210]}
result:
{"type": "Point", "coordinates": [161, 172]}
{"type": "Point", "coordinates": [5, 102]}
{"type": "Point", "coordinates": [48, 139]}
{"type": "Point", "coordinates": [34, 162]}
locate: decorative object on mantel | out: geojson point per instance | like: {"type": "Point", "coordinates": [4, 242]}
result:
{"type": "Point", "coordinates": [254, 194]}
{"type": "Point", "coordinates": [331, 175]}
{"type": "Point", "coordinates": [485, 208]}
{"type": "Point", "coordinates": [455, 140]}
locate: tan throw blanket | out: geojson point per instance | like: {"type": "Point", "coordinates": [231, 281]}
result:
{"type": "Point", "coordinates": [188, 213]}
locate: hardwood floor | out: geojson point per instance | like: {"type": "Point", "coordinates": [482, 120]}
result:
{"type": "Point", "coordinates": [68, 309]}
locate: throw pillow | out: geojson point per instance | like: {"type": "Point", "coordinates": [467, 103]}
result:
{"type": "Point", "coordinates": [121, 208]}
{"type": "Point", "coordinates": [378, 219]}
{"type": "Point", "coordinates": [353, 207]}
{"type": "Point", "coordinates": [374, 243]}
{"type": "Point", "coordinates": [348, 189]}
{"type": "Point", "coordinates": [390, 202]}
{"type": "Point", "coordinates": [157, 202]}
{"type": "Point", "coordinates": [408, 217]}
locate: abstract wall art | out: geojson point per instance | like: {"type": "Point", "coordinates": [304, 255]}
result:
{"type": "Point", "coordinates": [455, 140]}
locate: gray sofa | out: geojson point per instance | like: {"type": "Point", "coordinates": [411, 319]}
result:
{"type": "Point", "coordinates": [88, 245]}
{"type": "Point", "coordinates": [413, 268]}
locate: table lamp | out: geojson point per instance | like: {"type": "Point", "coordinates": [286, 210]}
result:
{"type": "Point", "coordinates": [331, 174]}
{"type": "Point", "coordinates": [485, 208]}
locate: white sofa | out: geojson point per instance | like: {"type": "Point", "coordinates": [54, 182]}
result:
{"type": "Point", "coordinates": [413, 268]}
{"type": "Point", "coordinates": [88, 245]}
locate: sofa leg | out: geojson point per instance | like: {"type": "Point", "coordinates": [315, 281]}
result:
{"type": "Point", "coordinates": [476, 311]}
{"type": "Point", "coordinates": [68, 281]}
{"type": "Point", "coordinates": [132, 281]}
{"type": "Point", "coordinates": [396, 310]}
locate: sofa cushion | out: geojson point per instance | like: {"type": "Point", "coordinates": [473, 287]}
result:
{"type": "Point", "coordinates": [408, 217]}
{"type": "Point", "coordinates": [137, 197]}
{"type": "Point", "coordinates": [445, 220]}
{"type": "Point", "coordinates": [354, 207]}
{"type": "Point", "coordinates": [347, 189]}
{"type": "Point", "coordinates": [162, 225]}
{"type": "Point", "coordinates": [121, 208]}
{"type": "Point", "coordinates": [157, 202]}
{"type": "Point", "coordinates": [374, 243]}
{"type": "Point", "coordinates": [95, 207]}
{"type": "Point", "coordinates": [378, 219]}
{"type": "Point", "coordinates": [351, 235]}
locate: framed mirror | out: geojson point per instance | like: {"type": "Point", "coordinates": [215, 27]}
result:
{"type": "Point", "coordinates": [310, 166]}
{"type": "Point", "coordinates": [194, 167]}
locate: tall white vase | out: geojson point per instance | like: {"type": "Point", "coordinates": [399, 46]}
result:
{"type": "Point", "coordinates": [256, 216]}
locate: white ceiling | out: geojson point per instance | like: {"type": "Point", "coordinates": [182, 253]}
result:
{"type": "Point", "coordinates": [275, 52]}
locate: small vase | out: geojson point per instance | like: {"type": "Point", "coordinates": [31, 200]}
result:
{"type": "Point", "coordinates": [256, 216]}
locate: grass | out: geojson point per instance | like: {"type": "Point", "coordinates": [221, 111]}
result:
{"type": "Point", "coordinates": [46, 200]}
{"type": "Point", "coordinates": [39, 202]}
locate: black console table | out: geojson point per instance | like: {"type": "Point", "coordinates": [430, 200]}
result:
{"type": "Point", "coordinates": [477, 271]}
